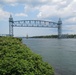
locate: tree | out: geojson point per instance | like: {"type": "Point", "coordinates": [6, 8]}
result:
{"type": "Point", "coordinates": [17, 59]}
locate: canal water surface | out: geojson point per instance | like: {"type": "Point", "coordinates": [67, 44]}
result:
{"type": "Point", "coordinates": [60, 53]}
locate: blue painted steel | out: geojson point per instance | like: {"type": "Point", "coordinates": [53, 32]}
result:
{"type": "Point", "coordinates": [34, 23]}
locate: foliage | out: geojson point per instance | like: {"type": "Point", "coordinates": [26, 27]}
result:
{"type": "Point", "coordinates": [56, 36]}
{"type": "Point", "coordinates": [17, 59]}
{"type": "Point", "coordinates": [47, 36]}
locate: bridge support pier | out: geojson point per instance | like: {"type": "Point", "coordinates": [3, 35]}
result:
{"type": "Point", "coordinates": [10, 26]}
{"type": "Point", "coordinates": [59, 29]}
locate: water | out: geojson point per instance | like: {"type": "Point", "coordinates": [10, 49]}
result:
{"type": "Point", "coordinates": [61, 54]}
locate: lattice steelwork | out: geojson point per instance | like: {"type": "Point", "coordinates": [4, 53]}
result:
{"type": "Point", "coordinates": [34, 23]}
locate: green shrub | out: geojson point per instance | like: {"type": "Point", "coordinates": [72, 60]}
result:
{"type": "Point", "coordinates": [17, 59]}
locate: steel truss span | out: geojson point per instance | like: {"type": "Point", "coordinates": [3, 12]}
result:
{"type": "Point", "coordinates": [34, 23]}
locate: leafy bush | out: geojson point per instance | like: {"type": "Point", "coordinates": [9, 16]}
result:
{"type": "Point", "coordinates": [17, 59]}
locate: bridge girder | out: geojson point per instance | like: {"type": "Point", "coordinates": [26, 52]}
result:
{"type": "Point", "coordinates": [34, 23]}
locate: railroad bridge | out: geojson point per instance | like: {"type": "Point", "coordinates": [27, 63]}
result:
{"type": "Point", "coordinates": [34, 23]}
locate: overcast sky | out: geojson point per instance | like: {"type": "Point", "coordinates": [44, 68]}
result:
{"type": "Point", "coordinates": [38, 9]}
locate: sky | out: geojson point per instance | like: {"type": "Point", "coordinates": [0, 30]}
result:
{"type": "Point", "coordinates": [50, 10]}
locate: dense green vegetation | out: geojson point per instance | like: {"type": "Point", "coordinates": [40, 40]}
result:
{"type": "Point", "coordinates": [71, 36]}
{"type": "Point", "coordinates": [47, 36]}
{"type": "Point", "coordinates": [17, 59]}
{"type": "Point", "coordinates": [56, 36]}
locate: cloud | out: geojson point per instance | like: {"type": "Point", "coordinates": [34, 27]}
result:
{"type": "Point", "coordinates": [21, 15]}
{"type": "Point", "coordinates": [47, 11]}
{"type": "Point", "coordinates": [8, 1]}
{"type": "Point", "coordinates": [3, 14]}
{"type": "Point", "coordinates": [71, 21]}
{"type": "Point", "coordinates": [47, 8]}
{"type": "Point", "coordinates": [69, 29]}
{"type": "Point", "coordinates": [43, 9]}
{"type": "Point", "coordinates": [24, 1]}
{"type": "Point", "coordinates": [62, 9]}
{"type": "Point", "coordinates": [29, 8]}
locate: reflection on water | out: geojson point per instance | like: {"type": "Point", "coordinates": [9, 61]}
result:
{"type": "Point", "coordinates": [61, 54]}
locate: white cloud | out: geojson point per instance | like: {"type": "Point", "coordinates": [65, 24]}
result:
{"type": "Point", "coordinates": [14, 4]}
{"type": "Point", "coordinates": [71, 20]}
{"type": "Point", "coordinates": [24, 1]}
{"type": "Point", "coordinates": [21, 14]}
{"type": "Point", "coordinates": [3, 14]}
{"type": "Point", "coordinates": [43, 0]}
{"type": "Point", "coordinates": [47, 8]}
{"type": "Point", "coordinates": [55, 1]}
{"type": "Point", "coordinates": [9, 1]}
{"type": "Point", "coordinates": [47, 11]}
{"type": "Point", "coordinates": [70, 29]}
{"type": "Point", "coordinates": [65, 9]}
{"type": "Point", "coordinates": [29, 8]}
{"type": "Point", "coordinates": [58, 10]}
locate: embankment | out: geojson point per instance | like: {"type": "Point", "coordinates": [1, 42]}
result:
{"type": "Point", "coordinates": [17, 59]}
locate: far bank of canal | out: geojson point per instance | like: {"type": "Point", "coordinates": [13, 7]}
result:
{"type": "Point", "coordinates": [61, 54]}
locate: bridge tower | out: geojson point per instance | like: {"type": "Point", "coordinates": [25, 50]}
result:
{"type": "Point", "coordinates": [59, 28]}
{"type": "Point", "coordinates": [35, 23]}
{"type": "Point", "coordinates": [10, 26]}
